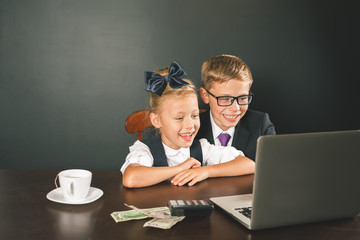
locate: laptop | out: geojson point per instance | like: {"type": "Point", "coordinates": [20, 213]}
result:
{"type": "Point", "coordinates": [300, 178]}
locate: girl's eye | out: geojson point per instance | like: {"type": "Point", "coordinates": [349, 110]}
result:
{"type": "Point", "coordinates": [179, 118]}
{"type": "Point", "coordinates": [195, 116]}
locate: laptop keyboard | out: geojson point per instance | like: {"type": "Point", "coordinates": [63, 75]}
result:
{"type": "Point", "coordinates": [246, 211]}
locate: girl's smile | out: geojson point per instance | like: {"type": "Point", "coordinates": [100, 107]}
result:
{"type": "Point", "coordinates": [187, 136]}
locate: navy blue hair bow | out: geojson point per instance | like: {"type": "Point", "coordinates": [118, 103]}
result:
{"type": "Point", "coordinates": [156, 83]}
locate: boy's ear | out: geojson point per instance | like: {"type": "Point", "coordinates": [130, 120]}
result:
{"type": "Point", "coordinates": [204, 95]}
{"type": "Point", "coordinates": [155, 120]}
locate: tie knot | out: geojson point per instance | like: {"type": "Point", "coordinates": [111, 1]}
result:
{"type": "Point", "coordinates": [224, 138]}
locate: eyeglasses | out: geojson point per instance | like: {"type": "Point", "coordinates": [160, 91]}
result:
{"type": "Point", "coordinates": [225, 101]}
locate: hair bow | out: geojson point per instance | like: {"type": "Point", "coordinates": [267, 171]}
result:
{"type": "Point", "coordinates": [156, 83]}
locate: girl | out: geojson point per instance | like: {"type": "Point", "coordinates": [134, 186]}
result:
{"type": "Point", "coordinates": [175, 154]}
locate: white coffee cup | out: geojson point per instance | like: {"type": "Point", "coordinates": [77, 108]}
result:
{"type": "Point", "coordinates": [75, 184]}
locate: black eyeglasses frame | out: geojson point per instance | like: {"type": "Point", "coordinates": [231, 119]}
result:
{"type": "Point", "coordinates": [250, 97]}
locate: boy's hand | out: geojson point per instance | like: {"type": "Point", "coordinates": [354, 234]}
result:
{"type": "Point", "coordinates": [189, 163]}
{"type": "Point", "coordinates": [190, 176]}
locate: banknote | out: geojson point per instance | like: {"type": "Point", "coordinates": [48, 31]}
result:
{"type": "Point", "coordinates": [135, 214]}
{"type": "Point", "coordinates": [165, 223]}
{"type": "Point", "coordinates": [154, 212]}
{"type": "Point", "coordinates": [161, 216]}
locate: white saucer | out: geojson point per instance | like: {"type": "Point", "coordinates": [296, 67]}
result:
{"type": "Point", "coordinates": [56, 196]}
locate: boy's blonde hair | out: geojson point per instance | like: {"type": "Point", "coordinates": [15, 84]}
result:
{"type": "Point", "coordinates": [156, 101]}
{"type": "Point", "coordinates": [223, 68]}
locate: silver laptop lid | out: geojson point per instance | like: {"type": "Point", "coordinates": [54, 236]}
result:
{"type": "Point", "coordinates": [302, 178]}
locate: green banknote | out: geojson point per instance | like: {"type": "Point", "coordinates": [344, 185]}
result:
{"type": "Point", "coordinates": [122, 216]}
{"type": "Point", "coordinates": [163, 223]}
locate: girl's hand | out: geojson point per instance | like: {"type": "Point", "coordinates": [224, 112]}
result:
{"type": "Point", "coordinates": [189, 163]}
{"type": "Point", "coordinates": [190, 176]}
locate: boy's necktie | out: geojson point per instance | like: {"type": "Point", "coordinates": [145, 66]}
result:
{"type": "Point", "coordinates": [224, 138]}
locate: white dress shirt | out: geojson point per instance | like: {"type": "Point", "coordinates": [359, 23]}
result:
{"type": "Point", "coordinates": [140, 154]}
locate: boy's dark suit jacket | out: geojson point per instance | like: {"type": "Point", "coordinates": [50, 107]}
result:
{"type": "Point", "coordinates": [251, 126]}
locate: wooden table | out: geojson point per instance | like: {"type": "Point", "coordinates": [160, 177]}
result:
{"type": "Point", "coordinates": [25, 213]}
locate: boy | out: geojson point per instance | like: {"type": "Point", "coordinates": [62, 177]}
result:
{"type": "Point", "coordinates": [226, 82]}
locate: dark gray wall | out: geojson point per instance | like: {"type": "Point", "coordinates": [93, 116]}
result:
{"type": "Point", "coordinates": [72, 71]}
